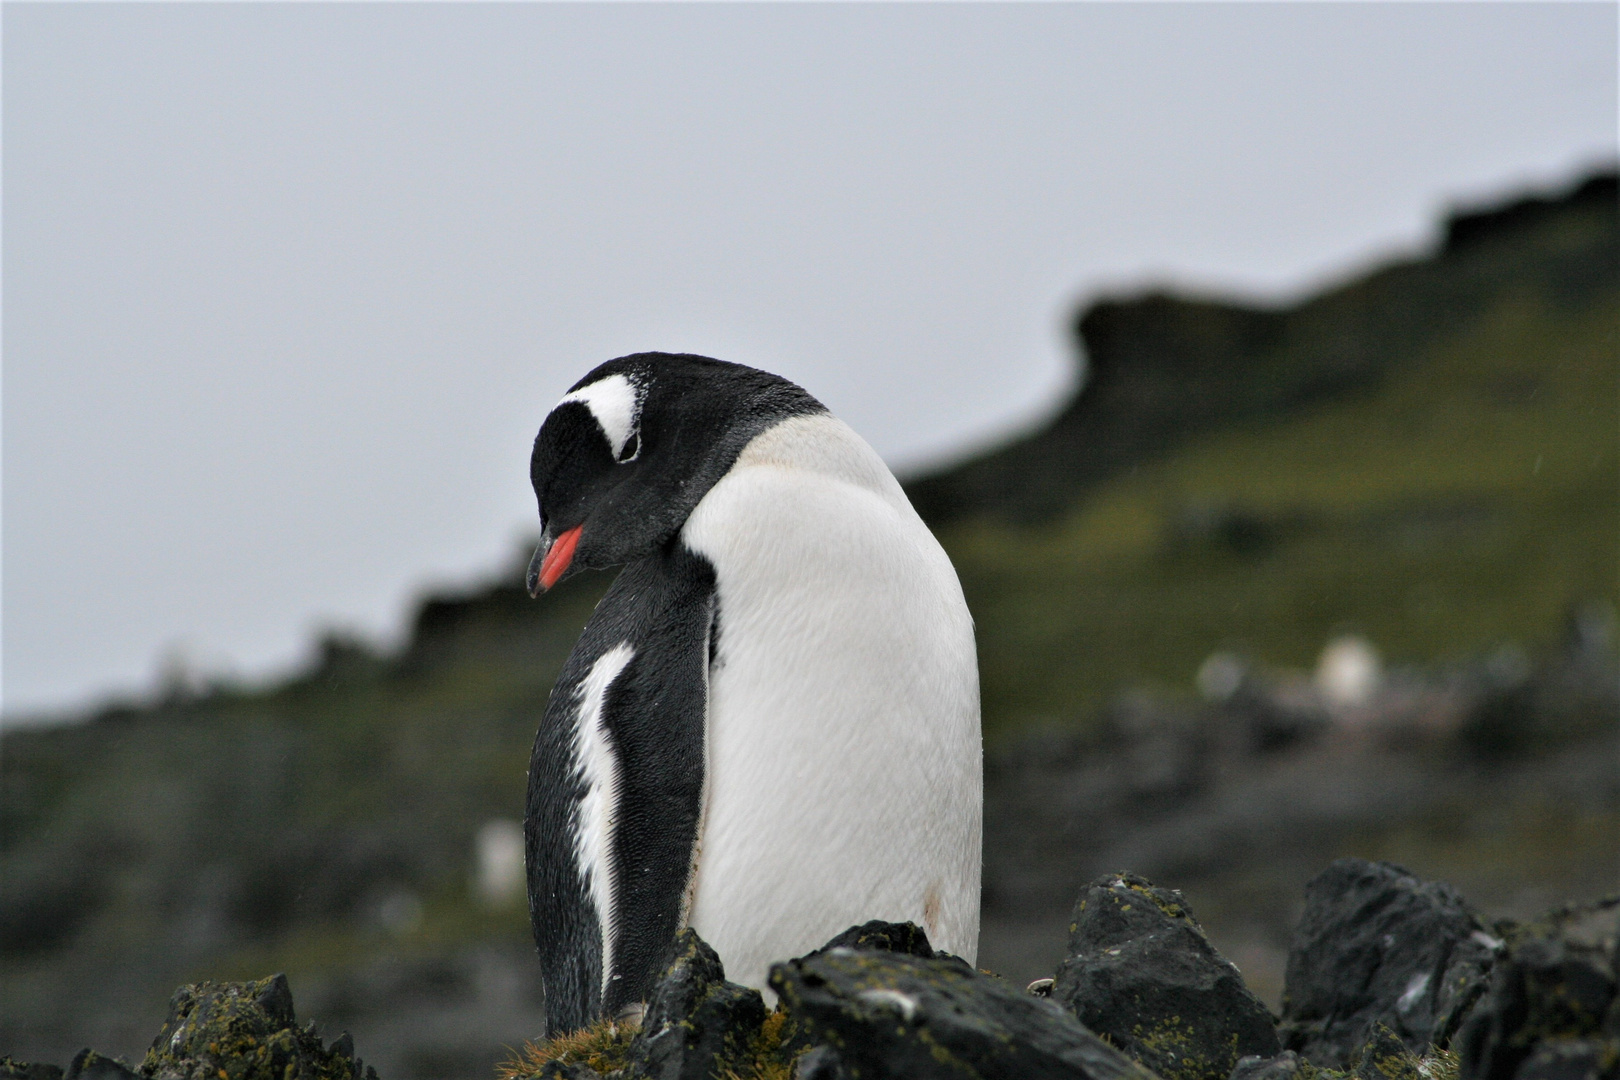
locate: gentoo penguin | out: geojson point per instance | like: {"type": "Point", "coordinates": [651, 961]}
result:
{"type": "Point", "coordinates": [769, 729]}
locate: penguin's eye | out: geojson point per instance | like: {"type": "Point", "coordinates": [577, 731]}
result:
{"type": "Point", "coordinates": [632, 448]}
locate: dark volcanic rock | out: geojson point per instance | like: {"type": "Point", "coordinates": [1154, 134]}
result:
{"type": "Point", "coordinates": [814, 1062]}
{"type": "Point", "coordinates": [1141, 972]}
{"type": "Point", "coordinates": [1555, 987]}
{"type": "Point", "coordinates": [244, 1031]}
{"type": "Point", "coordinates": [1572, 1059]}
{"type": "Point", "coordinates": [89, 1065]}
{"type": "Point", "coordinates": [906, 937]}
{"type": "Point", "coordinates": [890, 1014]}
{"type": "Point", "coordinates": [820, 1063]}
{"type": "Point", "coordinates": [1385, 1057]}
{"type": "Point", "coordinates": [696, 1022]}
{"type": "Point", "coordinates": [25, 1070]}
{"type": "Point", "coordinates": [1376, 944]}
{"type": "Point", "coordinates": [1285, 1066]}
{"type": "Point", "coordinates": [567, 1070]}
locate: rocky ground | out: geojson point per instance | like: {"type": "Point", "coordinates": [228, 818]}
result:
{"type": "Point", "coordinates": [1389, 977]}
{"type": "Point", "coordinates": [1501, 775]}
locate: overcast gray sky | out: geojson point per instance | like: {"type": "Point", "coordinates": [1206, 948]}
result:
{"type": "Point", "coordinates": [287, 289]}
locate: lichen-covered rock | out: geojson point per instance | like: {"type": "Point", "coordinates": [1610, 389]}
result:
{"type": "Point", "coordinates": [696, 1022]}
{"type": "Point", "coordinates": [1378, 945]}
{"type": "Point", "coordinates": [1557, 983]}
{"type": "Point", "coordinates": [822, 1062]}
{"type": "Point", "coordinates": [1385, 1057]}
{"type": "Point", "coordinates": [890, 1014]}
{"type": "Point", "coordinates": [245, 1031]}
{"type": "Point", "coordinates": [1141, 972]}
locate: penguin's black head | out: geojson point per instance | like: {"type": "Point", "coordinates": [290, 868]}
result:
{"type": "Point", "coordinates": [633, 446]}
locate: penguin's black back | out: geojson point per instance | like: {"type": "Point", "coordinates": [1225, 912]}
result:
{"type": "Point", "coordinates": [653, 713]}
{"type": "Point", "coordinates": [698, 414]}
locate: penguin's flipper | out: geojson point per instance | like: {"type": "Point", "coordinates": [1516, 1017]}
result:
{"type": "Point", "coordinates": [616, 789]}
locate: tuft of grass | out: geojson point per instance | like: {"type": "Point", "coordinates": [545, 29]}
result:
{"type": "Point", "coordinates": [1439, 1065]}
{"type": "Point", "coordinates": [603, 1046]}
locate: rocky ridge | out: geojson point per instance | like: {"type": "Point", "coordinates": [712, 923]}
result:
{"type": "Point", "coordinates": [1390, 977]}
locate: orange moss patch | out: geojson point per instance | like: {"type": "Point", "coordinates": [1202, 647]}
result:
{"type": "Point", "coordinates": [603, 1046]}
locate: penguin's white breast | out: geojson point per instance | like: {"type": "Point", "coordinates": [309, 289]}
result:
{"type": "Point", "coordinates": [844, 767]}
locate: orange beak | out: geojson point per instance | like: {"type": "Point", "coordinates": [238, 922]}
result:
{"type": "Point", "coordinates": [555, 562]}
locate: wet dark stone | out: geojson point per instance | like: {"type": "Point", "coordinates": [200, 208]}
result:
{"type": "Point", "coordinates": [244, 1031]}
{"type": "Point", "coordinates": [28, 1070]}
{"type": "Point", "coordinates": [896, 1015]}
{"type": "Point", "coordinates": [906, 937]}
{"type": "Point", "coordinates": [1385, 1057]}
{"type": "Point", "coordinates": [276, 1002]}
{"type": "Point", "coordinates": [1546, 989]}
{"type": "Point", "coordinates": [1285, 1066]}
{"type": "Point", "coordinates": [1467, 978]}
{"type": "Point", "coordinates": [567, 1070]}
{"type": "Point", "coordinates": [1141, 972]}
{"type": "Point", "coordinates": [1378, 945]}
{"type": "Point", "coordinates": [89, 1065]}
{"type": "Point", "coordinates": [1572, 1059]}
{"type": "Point", "coordinates": [696, 1022]}
{"type": "Point", "coordinates": [820, 1063]}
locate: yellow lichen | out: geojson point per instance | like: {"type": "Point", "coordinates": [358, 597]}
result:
{"type": "Point", "coordinates": [1170, 908]}
{"type": "Point", "coordinates": [768, 1057]}
{"type": "Point", "coordinates": [1167, 1042]}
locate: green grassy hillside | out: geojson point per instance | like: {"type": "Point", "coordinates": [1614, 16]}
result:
{"type": "Point", "coordinates": [1453, 488]}
{"type": "Point", "coordinates": [1469, 499]}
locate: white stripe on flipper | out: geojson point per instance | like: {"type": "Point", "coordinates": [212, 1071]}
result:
{"type": "Point", "coordinates": [615, 402]}
{"type": "Point", "coordinates": [598, 811]}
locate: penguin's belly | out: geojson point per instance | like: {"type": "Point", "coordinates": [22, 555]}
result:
{"type": "Point", "coordinates": [844, 771]}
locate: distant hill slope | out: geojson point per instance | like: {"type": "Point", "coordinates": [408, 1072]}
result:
{"type": "Point", "coordinates": [1165, 370]}
{"type": "Point", "coordinates": [1427, 455]}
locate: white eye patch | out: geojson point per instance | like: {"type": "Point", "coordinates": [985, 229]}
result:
{"type": "Point", "coordinates": [615, 402]}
